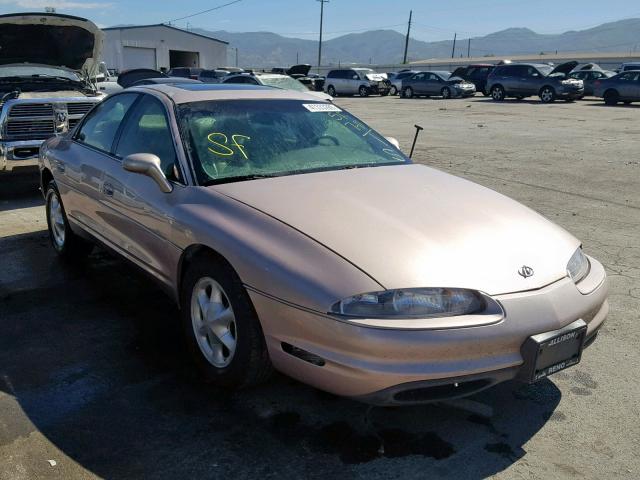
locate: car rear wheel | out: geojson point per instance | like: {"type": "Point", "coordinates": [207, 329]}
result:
{"type": "Point", "coordinates": [66, 243]}
{"type": "Point", "coordinates": [331, 91]}
{"type": "Point", "coordinates": [611, 97]}
{"type": "Point", "coordinates": [363, 91]}
{"type": "Point", "coordinates": [497, 93]}
{"type": "Point", "coordinates": [393, 91]}
{"type": "Point", "coordinates": [221, 328]}
{"type": "Point", "coordinates": [408, 92]}
{"type": "Point", "coordinates": [547, 95]}
{"type": "Point", "coordinates": [446, 93]}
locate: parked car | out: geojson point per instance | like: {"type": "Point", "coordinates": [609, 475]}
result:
{"type": "Point", "coordinates": [45, 87]}
{"type": "Point", "coordinates": [475, 73]}
{"type": "Point", "coordinates": [589, 77]}
{"type": "Point", "coordinates": [186, 72]}
{"type": "Point", "coordinates": [438, 83]}
{"type": "Point", "coordinates": [623, 87]}
{"type": "Point", "coordinates": [165, 81]}
{"type": "Point", "coordinates": [213, 76]}
{"type": "Point", "coordinates": [361, 81]}
{"type": "Point", "coordinates": [273, 80]}
{"type": "Point", "coordinates": [625, 67]}
{"type": "Point", "coordinates": [396, 80]}
{"type": "Point", "coordinates": [260, 212]}
{"type": "Point", "coordinates": [520, 80]}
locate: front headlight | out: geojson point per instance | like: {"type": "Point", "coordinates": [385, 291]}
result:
{"type": "Point", "coordinates": [578, 266]}
{"type": "Point", "coordinates": [412, 303]}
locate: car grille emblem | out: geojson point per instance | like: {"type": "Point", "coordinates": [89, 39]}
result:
{"type": "Point", "coordinates": [525, 272]}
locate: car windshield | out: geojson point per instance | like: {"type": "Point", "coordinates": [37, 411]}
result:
{"type": "Point", "coordinates": [238, 140]}
{"type": "Point", "coordinates": [285, 82]}
{"type": "Point", "coordinates": [443, 75]}
{"type": "Point", "coordinates": [37, 71]}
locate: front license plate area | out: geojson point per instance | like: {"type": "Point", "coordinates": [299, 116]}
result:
{"type": "Point", "coordinates": [551, 352]}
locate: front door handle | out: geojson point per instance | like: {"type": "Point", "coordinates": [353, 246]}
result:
{"type": "Point", "coordinates": [107, 189]}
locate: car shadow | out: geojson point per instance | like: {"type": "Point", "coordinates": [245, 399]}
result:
{"type": "Point", "coordinates": [619, 105]}
{"type": "Point", "coordinates": [19, 191]}
{"type": "Point", "coordinates": [91, 358]}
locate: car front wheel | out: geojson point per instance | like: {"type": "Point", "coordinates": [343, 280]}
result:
{"type": "Point", "coordinates": [66, 243]}
{"type": "Point", "coordinates": [221, 328]}
{"type": "Point", "coordinates": [363, 91]}
{"type": "Point", "coordinates": [446, 93]}
{"type": "Point", "coordinates": [393, 91]}
{"type": "Point", "coordinates": [331, 91]}
{"type": "Point", "coordinates": [547, 95]}
{"type": "Point", "coordinates": [408, 92]}
{"type": "Point", "coordinates": [611, 97]}
{"type": "Point", "coordinates": [497, 93]}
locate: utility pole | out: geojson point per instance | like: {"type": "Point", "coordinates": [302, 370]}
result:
{"type": "Point", "coordinates": [453, 52]}
{"type": "Point", "coordinates": [236, 56]}
{"type": "Point", "coordinates": [297, 58]}
{"type": "Point", "coordinates": [406, 39]}
{"type": "Point", "coordinates": [469, 48]}
{"type": "Point", "coordinates": [322, 2]}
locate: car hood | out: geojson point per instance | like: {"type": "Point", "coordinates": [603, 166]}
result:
{"type": "Point", "coordinates": [564, 67]}
{"type": "Point", "coordinates": [302, 69]}
{"type": "Point", "coordinates": [129, 77]}
{"type": "Point", "coordinates": [50, 39]}
{"type": "Point", "coordinates": [376, 77]}
{"type": "Point", "coordinates": [414, 226]}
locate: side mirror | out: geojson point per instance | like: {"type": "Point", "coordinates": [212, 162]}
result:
{"type": "Point", "coordinates": [393, 141]}
{"type": "Point", "coordinates": [149, 165]}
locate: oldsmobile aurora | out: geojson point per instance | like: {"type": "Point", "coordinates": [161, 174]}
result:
{"type": "Point", "coordinates": [295, 237]}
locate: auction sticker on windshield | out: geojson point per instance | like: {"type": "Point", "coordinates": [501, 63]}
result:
{"type": "Point", "coordinates": [321, 107]}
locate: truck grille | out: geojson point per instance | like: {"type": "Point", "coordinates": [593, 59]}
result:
{"type": "Point", "coordinates": [36, 121]}
{"type": "Point", "coordinates": [79, 108]}
{"type": "Point", "coordinates": [32, 110]}
{"type": "Point", "coordinates": [30, 129]}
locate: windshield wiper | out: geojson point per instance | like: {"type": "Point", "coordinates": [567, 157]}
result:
{"type": "Point", "coordinates": [240, 178]}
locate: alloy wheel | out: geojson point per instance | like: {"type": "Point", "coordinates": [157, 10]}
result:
{"type": "Point", "coordinates": [497, 93]}
{"type": "Point", "coordinates": [547, 95]}
{"type": "Point", "coordinates": [446, 93]}
{"type": "Point", "coordinates": [56, 220]}
{"type": "Point", "coordinates": [213, 322]}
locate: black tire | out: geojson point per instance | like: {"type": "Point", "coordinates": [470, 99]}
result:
{"type": "Point", "coordinates": [393, 91]}
{"type": "Point", "coordinates": [67, 244]}
{"type": "Point", "coordinates": [407, 92]}
{"type": "Point", "coordinates": [446, 93]}
{"type": "Point", "coordinates": [611, 97]}
{"type": "Point", "coordinates": [363, 91]}
{"type": "Point", "coordinates": [332, 91]}
{"type": "Point", "coordinates": [547, 94]}
{"type": "Point", "coordinates": [250, 363]}
{"type": "Point", "coordinates": [497, 93]}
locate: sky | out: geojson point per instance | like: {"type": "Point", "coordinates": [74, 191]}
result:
{"type": "Point", "coordinates": [432, 20]}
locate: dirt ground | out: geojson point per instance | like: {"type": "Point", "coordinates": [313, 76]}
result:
{"type": "Point", "coordinates": [94, 384]}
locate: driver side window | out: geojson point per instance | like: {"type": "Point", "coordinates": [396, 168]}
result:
{"type": "Point", "coordinates": [101, 125]}
{"type": "Point", "coordinates": [147, 131]}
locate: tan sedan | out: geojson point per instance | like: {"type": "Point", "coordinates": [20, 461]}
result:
{"type": "Point", "coordinates": [295, 237]}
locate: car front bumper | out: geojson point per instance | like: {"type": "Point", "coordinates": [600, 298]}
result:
{"type": "Point", "coordinates": [570, 92]}
{"type": "Point", "coordinates": [19, 155]}
{"type": "Point", "coordinates": [401, 366]}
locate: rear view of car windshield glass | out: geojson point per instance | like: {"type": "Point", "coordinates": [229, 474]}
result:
{"type": "Point", "coordinates": [232, 140]}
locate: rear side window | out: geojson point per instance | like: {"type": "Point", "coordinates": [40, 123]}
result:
{"type": "Point", "coordinates": [101, 125]}
{"type": "Point", "coordinates": [500, 71]}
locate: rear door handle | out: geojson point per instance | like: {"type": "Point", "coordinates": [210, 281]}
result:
{"type": "Point", "coordinates": [107, 189]}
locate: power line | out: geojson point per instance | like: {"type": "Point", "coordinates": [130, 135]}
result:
{"type": "Point", "coordinates": [203, 11]}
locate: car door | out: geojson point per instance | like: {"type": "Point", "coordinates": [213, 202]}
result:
{"type": "Point", "coordinates": [635, 88]}
{"type": "Point", "coordinates": [433, 84]}
{"type": "Point", "coordinates": [80, 174]}
{"type": "Point", "coordinates": [140, 221]}
{"type": "Point", "coordinates": [527, 80]}
{"type": "Point", "coordinates": [416, 82]}
{"type": "Point", "coordinates": [511, 78]}
{"type": "Point", "coordinates": [352, 82]}
{"type": "Point", "coordinates": [625, 84]}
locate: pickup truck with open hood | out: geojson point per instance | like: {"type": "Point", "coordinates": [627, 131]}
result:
{"type": "Point", "coordinates": [48, 66]}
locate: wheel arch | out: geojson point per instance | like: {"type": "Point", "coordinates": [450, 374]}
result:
{"type": "Point", "coordinates": [45, 177]}
{"type": "Point", "coordinates": [545, 86]}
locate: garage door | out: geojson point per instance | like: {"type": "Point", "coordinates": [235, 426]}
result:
{"type": "Point", "coordinates": [136, 57]}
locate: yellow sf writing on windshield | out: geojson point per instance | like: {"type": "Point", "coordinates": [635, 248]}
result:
{"type": "Point", "coordinates": [220, 144]}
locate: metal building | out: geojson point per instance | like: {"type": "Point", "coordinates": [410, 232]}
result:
{"type": "Point", "coordinates": [161, 47]}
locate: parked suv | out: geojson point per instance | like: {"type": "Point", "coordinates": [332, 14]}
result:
{"type": "Point", "coordinates": [476, 74]}
{"type": "Point", "coordinates": [361, 81]}
{"type": "Point", "coordinates": [45, 86]}
{"type": "Point", "coordinates": [522, 80]}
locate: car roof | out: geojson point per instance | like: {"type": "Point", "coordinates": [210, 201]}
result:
{"type": "Point", "coordinates": [197, 92]}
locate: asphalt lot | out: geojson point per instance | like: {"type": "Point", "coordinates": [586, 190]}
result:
{"type": "Point", "coordinates": [93, 378]}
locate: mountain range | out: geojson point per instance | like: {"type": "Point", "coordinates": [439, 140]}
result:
{"type": "Point", "coordinates": [265, 49]}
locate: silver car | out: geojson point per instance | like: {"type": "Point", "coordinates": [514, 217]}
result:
{"type": "Point", "coordinates": [360, 81]}
{"type": "Point", "coordinates": [293, 236]}
{"type": "Point", "coordinates": [623, 87]}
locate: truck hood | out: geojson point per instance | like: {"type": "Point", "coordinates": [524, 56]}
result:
{"type": "Point", "coordinates": [413, 226]}
{"type": "Point", "coordinates": [302, 69]}
{"type": "Point", "coordinates": [50, 39]}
